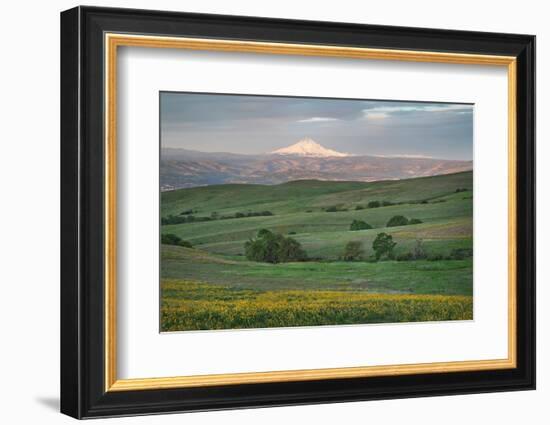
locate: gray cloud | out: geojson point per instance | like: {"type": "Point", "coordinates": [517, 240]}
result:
{"type": "Point", "coordinates": [257, 124]}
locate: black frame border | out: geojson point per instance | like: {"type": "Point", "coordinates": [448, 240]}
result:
{"type": "Point", "coordinates": [82, 206]}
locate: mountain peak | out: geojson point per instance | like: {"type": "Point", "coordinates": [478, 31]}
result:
{"type": "Point", "coordinates": [308, 147]}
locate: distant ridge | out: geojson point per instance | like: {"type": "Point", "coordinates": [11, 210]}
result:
{"type": "Point", "coordinates": [309, 147]}
{"type": "Point", "coordinates": [305, 160]}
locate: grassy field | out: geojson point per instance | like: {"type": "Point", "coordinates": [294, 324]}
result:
{"type": "Point", "coordinates": [213, 286]}
{"type": "Point", "coordinates": [190, 305]}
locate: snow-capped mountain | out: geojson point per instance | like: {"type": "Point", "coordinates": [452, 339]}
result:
{"type": "Point", "coordinates": [308, 147]}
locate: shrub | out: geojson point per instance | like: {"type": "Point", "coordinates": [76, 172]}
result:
{"type": "Point", "coordinates": [424, 201]}
{"type": "Point", "coordinates": [269, 247]}
{"type": "Point", "coordinates": [436, 257]}
{"type": "Point", "coordinates": [415, 221]}
{"type": "Point", "coordinates": [419, 253]}
{"type": "Point", "coordinates": [383, 245]}
{"type": "Point", "coordinates": [335, 208]}
{"type": "Point", "coordinates": [359, 207]}
{"type": "Point", "coordinates": [172, 219]}
{"type": "Point", "coordinates": [387, 203]}
{"type": "Point", "coordinates": [186, 212]}
{"type": "Point", "coordinates": [397, 220]}
{"type": "Point", "coordinates": [406, 256]}
{"type": "Point", "coordinates": [373, 204]}
{"type": "Point", "coordinates": [359, 225]}
{"type": "Point", "coordinates": [461, 253]}
{"type": "Point", "coordinates": [247, 214]}
{"type": "Point", "coordinates": [264, 232]}
{"type": "Point", "coordinates": [171, 239]}
{"type": "Point", "coordinates": [178, 219]}
{"type": "Point", "coordinates": [461, 189]}
{"type": "Point", "coordinates": [353, 251]}
{"type": "Point", "coordinates": [292, 233]}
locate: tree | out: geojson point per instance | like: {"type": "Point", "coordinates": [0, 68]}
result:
{"type": "Point", "coordinates": [419, 253]}
{"type": "Point", "coordinates": [353, 251]}
{"type": "Point", "coordinates": [373, 204]}
{"type": "Point", "coordinates": [290, 250]}
{"type": "Point", "coordinates": [359, 225]}
{"type": "Point", "coordinates": [269, 247]}
{"type": "Point", "coordinates": [171, 239]}
{"type": "Point", "coordinates": [383, 244]}
{"type": "Point", "coordinates": [397, 220]}
{"type": "Point", "coordinates": [263, 248]}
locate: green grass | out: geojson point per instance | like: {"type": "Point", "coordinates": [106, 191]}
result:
{"type": "Point", "coordinates": [450, 277]}
{"type": "Point", "coordinates": [438, 238]}
{"type": "Point", "coordinates": [213, 234]}
{"type": "Point", "coordinates": [216, 263]}
{"type": "Point", "coordinates": [300, 195]}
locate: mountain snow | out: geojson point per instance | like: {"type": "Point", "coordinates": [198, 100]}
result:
{"type": "Point", "coordinates": [308, 147]}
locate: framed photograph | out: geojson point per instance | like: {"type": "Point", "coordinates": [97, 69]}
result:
{"type": "Point", "coordinates": [261, 212]}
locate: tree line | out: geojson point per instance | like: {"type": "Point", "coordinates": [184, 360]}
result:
{"type": "Point", "coordinates": [396, 220]}
{"type": "Point", "coordinates": [187, 217]}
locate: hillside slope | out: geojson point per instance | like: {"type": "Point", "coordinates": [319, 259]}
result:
{"type": "Point", "coordinates": [300, 208]}
{"type": "Point", "coordinates": [308, 194]}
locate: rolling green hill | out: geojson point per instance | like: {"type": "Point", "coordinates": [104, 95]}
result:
{"type": "Point", "coordinates": [300, 208]}
{"type": "Point", "coordinates": [302, 195]}
{"type": "Point", "coordinates": [216, 264]}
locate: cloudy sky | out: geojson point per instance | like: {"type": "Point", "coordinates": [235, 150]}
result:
{"type": "Point", "coordinates": [259, 124]}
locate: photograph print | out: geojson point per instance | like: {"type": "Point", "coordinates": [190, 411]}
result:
{"type": "Point", "coordinates": [281, 212]}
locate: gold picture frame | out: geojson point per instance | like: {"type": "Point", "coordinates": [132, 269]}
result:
{"type": "Point", "coordinates": [113, 41]}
